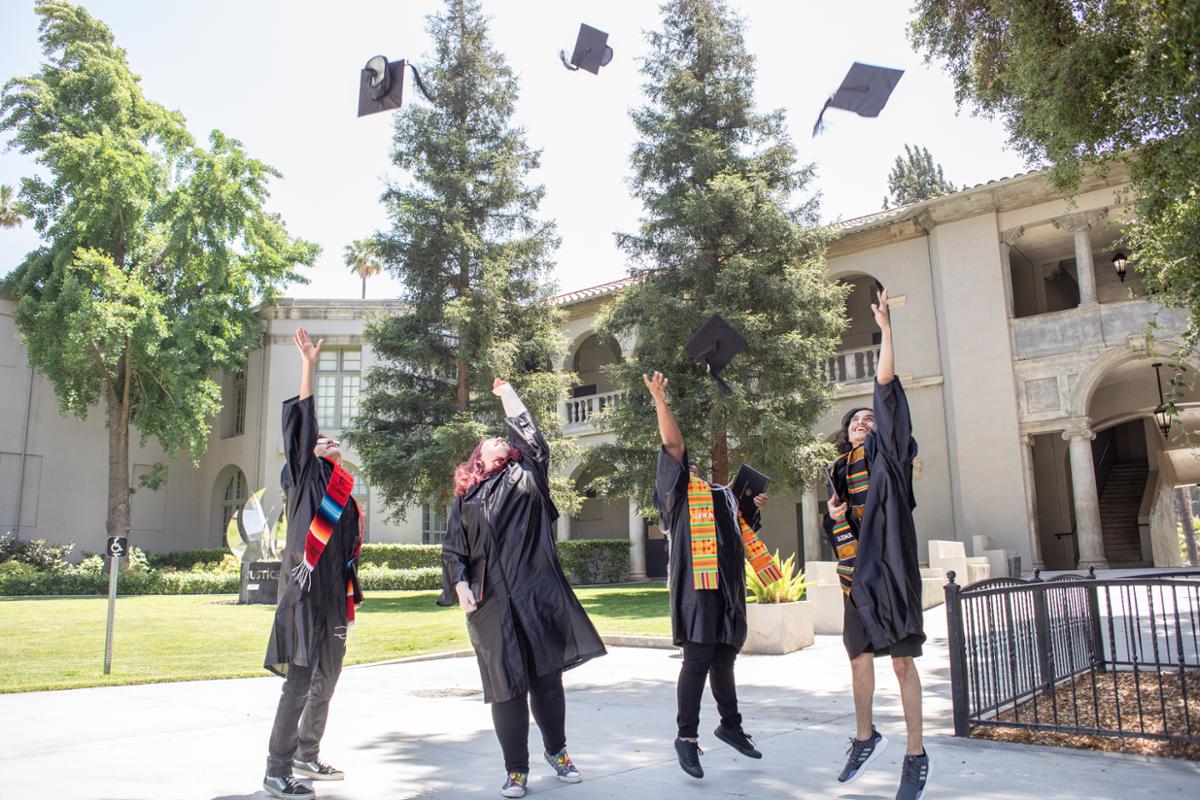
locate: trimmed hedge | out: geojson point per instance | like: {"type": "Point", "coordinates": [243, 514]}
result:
{"type": "Point", "coordinates": [594, 560]}
{"type": "Point", "coordinates": [379, 579]}
{"type": "Point", "coordinates": [402, 556]}
{"type": "Point", "coordinates": [188, 559]}
{"type": "Point", "coordinates": [130, 583]}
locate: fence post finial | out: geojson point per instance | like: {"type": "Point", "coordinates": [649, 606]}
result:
{"type": "Point", "coordinates": [1092, 573]}
{"type": "Point", "coordinates": [1037, 575]}
{"type": "Point", "coordinates": [950, 576]}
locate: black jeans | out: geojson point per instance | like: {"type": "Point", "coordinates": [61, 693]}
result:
{"type": "Point", "coordinates": [511, 719]}
{"type": "Point", "coordinates": [714, 662]}
{"type": "Point", "coordinates": [304, 709]}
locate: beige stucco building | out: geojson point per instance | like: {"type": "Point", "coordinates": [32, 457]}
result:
{"type": "Point", "coordinates": [1025, 359]}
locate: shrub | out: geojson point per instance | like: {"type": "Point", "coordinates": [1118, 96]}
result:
{"type": "Point", "coordinates": [594, 560]}
{"type": "Point", "coordinates": [17, 570]}
{"type": "Point", "coordinates": [402, 556]}
{"type": "Point", "coordinates": [375, 578]}
{"type": "Point", "coordinates": [790, 588]}
{"type": "Point", "coordinates": [37, 553]}
{"type": "Point", "coordinates": [188, 559]}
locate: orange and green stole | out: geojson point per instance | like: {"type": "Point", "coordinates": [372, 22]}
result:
{"type": "Point", "coordinates": [703, 527]}
{"type": "Point", "coordinates": [329, 512]}
{"type": "Point", "coordinates": [845, 539]}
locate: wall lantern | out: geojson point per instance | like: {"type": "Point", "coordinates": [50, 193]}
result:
{"type": "Point", "coordinates": [1118, 262]}
{"type": "Point", "coordinates": [1162, 414]}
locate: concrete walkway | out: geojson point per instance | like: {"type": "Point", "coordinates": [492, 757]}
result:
{"type": "Point", "coordinates": [420, 730]}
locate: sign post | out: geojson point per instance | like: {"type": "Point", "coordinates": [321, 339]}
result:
{"type": "Point", "coordinates": [117, 547]}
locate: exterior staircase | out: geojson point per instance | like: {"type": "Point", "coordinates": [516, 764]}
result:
{"type": "Point", "coordinates": [1120, 500]}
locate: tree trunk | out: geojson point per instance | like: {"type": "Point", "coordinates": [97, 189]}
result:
{"type": "Point", "coordinates": [720, 459]}
{"type": "Point", "coordinates": [117, 523]}
{"type": "Point", "coordinates": [464, 387]}
{"type": "Point", "coordinates": [1183, 504]}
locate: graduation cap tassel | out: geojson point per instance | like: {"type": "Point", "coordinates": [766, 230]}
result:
{"type": "Point", "coordinates": [420, 85]}
{"type": "Point", "coordinates": [566, 62]}
{"type": "Point", "coordinates": [820, 126]}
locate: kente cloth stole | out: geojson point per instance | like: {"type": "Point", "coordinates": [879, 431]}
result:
{"type": "Point", "coordinates": [858, 481]}
{"type": "Point", "coordinates": [329, 511]}
{"type": "Point", "coordinates": [703, 527]}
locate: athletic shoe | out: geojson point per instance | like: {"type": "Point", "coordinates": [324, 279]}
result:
{"type": "Point", "coordinates": [561, 762]}
{"type": "Point", "coordinates": [689, 757]}
{"type": "Point", "coordinates": [860, 754]}
{"type": "Point", "coordinates": [912, 777]}
{"type": "Point", "coordinates": [318, 770]}
{"type": "Point", "coordinates": [515, 785]}
{"type": "Point", "coordinates": [285, 787]}
{"type": "Point", "coordinates": [738, 739]}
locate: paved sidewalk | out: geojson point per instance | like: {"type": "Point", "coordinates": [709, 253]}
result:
{"type": "Point", "coordinates": [420, 730]}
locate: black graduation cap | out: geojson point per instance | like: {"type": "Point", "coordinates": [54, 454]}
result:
{"type": "Point", "coordinates": [865, 91]}
{"type": "Point", "coordinates": [381, 85]}
{"type": "Point", "coordinates": [715, 344]}
{"type": "Point", "coordinates": [591, 51]}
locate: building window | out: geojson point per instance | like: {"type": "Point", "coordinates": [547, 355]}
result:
{"type": "Point", "coordinates": [239, 403]}
{"type": "Point", "coordinates": [339, 381]}
{"type": "Point", "coordinates": [232, 500]}
{"type": "Point", "coordinates": [433, 523]}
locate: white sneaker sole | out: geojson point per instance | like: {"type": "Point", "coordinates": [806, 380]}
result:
{"type": "Point", "coordinates": [316, 776]}
{"type": "Point", "coordinates": [283, 796]}
{"type": "Point", "coordinates": [513, 793]}
{"type": "Point", "coordinates": [570, 778]}
{"type": "Point", "coordinates": [876, 753]}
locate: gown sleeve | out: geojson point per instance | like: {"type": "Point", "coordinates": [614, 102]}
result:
{"type": "Point", "coordinates": [456, 556]}
{"type": "Point", "coordinates": [299, 437]}
{"type": "Point", "coordinates": [525, 436]}
{"type": "Point", "coordinates": [670, 485]}
{"type": "Point", "coordinates": [893, 425]}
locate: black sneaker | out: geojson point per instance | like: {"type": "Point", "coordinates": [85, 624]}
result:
{"type": "Point", "coordinates": [738, 739]}
{"type": "Point", "coordinates": [689, 757]}
{"type": "Point", "coordinates": [285, 787]}
{"type": "Point", "coordinates": [860, 754]}
{"type": "Point", "coordinates": [318, 770]}
{"type": "Point", "coordinates": [912, 777]}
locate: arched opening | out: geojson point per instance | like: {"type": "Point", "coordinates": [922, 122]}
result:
{"type": "Point", "coordinates": [595, 391]}
{"type": "Point", "coordinates": [230, 492]}
{"type": "Point", "coordinates": [598, 518]}
{"type": "Point", "coordinates": [858, 353]}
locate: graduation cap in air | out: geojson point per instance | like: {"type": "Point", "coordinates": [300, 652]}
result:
{"type": "Point", "coordinates": [591, 51]}
{"type": "Point", "coordinates": [715, 344]}
{"type": "Point", "coordinates": [381, 85]}
{"type": "Point", "coordinates": [865, 91]}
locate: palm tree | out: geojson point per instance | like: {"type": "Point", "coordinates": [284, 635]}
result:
{"type": "Point", "coordinates": [363, 260]}
{"type": "Point", "coordinates": [9, 216]}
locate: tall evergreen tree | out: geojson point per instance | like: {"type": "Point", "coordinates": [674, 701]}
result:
{"type": "Point", "coordinates": [475, 263]}
{"type": "Point", "coordinates": [719, 236]}
{"type": "Point", "coordinates": [915, 177]}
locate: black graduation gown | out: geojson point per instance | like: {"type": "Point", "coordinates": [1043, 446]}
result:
{"type": "Point", "coordinates": [500, 538]}
{"type": "Point", "coordinates": [886, 588]}
{"type": "Point", "coordinates": [309, 621]}
{"type": "Point", "coordinates": [706, 616]}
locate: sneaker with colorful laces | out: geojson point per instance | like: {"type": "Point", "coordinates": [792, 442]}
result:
{"type": "Point", "coordinates": [515, 785]}
{"type": "Point", "coordinates": [561, 762]}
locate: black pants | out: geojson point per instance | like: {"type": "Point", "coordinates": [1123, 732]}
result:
{"type": "Point", "coordinates": [511, 719]}
{"type": "Point", "coordinates": [714, 662]}
{"type": "Point", "coordinates": [304, 709]}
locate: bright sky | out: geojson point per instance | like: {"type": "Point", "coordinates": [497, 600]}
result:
{"type": "Point", "coordinates": [282, 77]}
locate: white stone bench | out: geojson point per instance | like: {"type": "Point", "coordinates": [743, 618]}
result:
{"type": "Point", "coordinates": [826, 596]}
{"type": "Point", "coordinates": [997, 559]}
{"type": "Point", "coordinates": [952, 557]}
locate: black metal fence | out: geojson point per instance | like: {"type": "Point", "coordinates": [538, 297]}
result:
{"type": "Point", "coordinates": [1075, 654]}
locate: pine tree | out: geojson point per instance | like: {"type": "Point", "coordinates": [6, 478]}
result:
{"type": "Point", "coordinates": [915, 177]}
{"type": "Point", "coordinates": [719, 236]}
{"type": "Point", "coordinates": [474, 261]}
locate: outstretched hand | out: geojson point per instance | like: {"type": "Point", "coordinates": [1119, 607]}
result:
{"type": "Point", "coordinates": [657, 386]}
{"type": "Point", "coordinates": [883, 317]}
{"type": "Point", "coordinates": [498, 386]}
{"type": "Point", "coordinates": [309, 352]}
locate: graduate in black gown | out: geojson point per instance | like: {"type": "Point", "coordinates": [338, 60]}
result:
{"type": "Point", "coordinates": [500, 564]}
{"type": "Point", "coordinates": [710, 538]}
{"type": "Point", "coordinates": [870, 526]}
{"type": "Point", "coordinates": [318, 589]}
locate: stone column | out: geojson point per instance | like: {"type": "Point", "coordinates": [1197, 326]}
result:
{"type": "Point", "coordinates": [1007, 240]}
{"type": "Point", "coordinates": [1031, 509]}
{"type": "Point", "coordinates": [1081, 225]}
{"type": "Point", "coordinates": [637, 543]}
{"type": "Point", "coordinates": [564, 527]}
{"type": "Point", "coordinates": [1087, 500]}
{"type": "Point", "coordinates": [810, 505]}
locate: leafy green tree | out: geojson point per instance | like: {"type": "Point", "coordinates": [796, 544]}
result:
{"type": "Point", "coordinates": [156, 249]}
{"type": "Point", "coordinates": [362, 257]}
{"type": "Point", "coordinates": [1085, 83]}
{"type": "Point", "coordinates": [475, 263]}
{"type": "Point", "coordinates": [915, 177]}
{"type": "Point", "coordinates": [10, 215]}
{"type": "Point", "coordinates": [719, 235]}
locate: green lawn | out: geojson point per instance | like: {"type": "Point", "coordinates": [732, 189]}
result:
{"type": "Point", "coordinates": [58, 643]}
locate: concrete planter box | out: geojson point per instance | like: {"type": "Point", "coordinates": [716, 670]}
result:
{"type": "Point", "coordinates": [778, 628]}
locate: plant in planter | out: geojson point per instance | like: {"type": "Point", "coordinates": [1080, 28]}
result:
{"type": "Point", "coordinates": [778, 616]}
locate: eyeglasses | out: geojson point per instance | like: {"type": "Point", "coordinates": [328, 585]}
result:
{"type": "Point", "coordinates": [329, 442]}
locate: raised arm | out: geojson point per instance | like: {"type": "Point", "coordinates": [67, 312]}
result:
{"type": "Point", "coordinates": [309, 353]}
{"type": "Point", "coordinates": [885, 371]}
{"type": "Point", "coordinates": [668, 428]}
{"type": "Point", "coordinates": [299, 417]}
{"type": "Point", "coordinates": [513, 407]}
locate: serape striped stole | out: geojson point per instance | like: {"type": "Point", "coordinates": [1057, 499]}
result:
{"type": "Point", "coordinates": [703, 528]}
{"type": "Point", "coordinates": [329, 512]}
